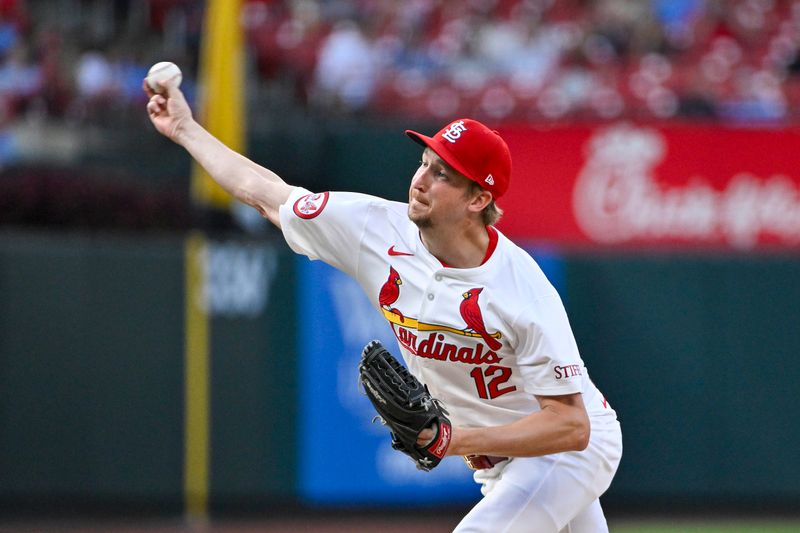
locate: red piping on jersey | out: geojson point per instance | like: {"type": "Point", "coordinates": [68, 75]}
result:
{"type": "Point", "coordinates": [489, 249]}
{"type": "Point", "coordinates": [492, 243]}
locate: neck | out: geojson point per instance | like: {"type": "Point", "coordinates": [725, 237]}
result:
{"type": "Point", "coordinates": [463, 247]}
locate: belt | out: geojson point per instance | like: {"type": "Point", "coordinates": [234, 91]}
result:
{"type": "Point", "coordinates": [480, 462]}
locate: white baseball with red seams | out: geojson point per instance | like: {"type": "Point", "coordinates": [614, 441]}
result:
{"type": "Point", "coordinates": [161, 72]}
{"type": "Point", "coordinates": [485, 340]}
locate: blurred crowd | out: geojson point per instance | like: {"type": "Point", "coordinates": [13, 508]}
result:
{"type": "Point", "coordinates": [537, 60]}
{"type": "Point", "coordinates": [69, 64]}
{"type": "Point", "coordinates": [61, 58]}
{"type": "Point", "coordinates": [528, 60]}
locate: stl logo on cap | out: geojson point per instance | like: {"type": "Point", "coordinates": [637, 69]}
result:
{"type": "Point", "coordinates": [453, 133]}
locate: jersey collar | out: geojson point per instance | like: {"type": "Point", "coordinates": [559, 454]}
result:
{"type": "Point", "coordinates": [489, 249]}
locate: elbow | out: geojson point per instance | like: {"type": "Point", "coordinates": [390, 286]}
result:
{"type": "Point", "coordinates": [581, 434]}
{"type": "Point", "coordinates": [582, 439]}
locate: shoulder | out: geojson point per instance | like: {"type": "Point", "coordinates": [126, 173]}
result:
{"type": "Point", "coordinates": [520, 272]}
{"type": "Point", "coordinates": [515, 258]}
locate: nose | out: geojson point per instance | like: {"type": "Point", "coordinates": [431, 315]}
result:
{"type": "Point", "coordinates": [421, 179]}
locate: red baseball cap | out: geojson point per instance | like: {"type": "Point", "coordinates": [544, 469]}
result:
{"type": "Point", "coordinates": [474, 150]}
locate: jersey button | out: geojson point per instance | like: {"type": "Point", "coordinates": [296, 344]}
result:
{"type": "Point", "coordinates": [430, 296]}
{"type": "Point", "coordinates": [438, 277]}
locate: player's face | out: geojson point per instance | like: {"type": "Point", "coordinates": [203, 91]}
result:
{"type": "Point", "coordinates": [438, 195]}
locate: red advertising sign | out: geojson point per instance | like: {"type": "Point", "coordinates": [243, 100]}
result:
{"type": "Point", "coordinates": [626, 184]}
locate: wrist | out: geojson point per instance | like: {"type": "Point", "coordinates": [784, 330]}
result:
{"type": "Point", "coordinates": [459, 441]}
{"type": "Point", "coordinates": [184, 131]}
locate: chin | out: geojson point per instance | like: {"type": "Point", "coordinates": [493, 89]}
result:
{"type": "Point", "coordinates": [421, 221]}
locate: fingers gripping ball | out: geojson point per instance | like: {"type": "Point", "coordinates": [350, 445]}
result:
{"type": "Point", "coordinates": [161, 72]}
{"type": "Point", "coordinates": [404, 405]}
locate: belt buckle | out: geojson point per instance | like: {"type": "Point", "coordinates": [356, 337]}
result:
{"type": "Point", "coordinates": [477, 462]}
{"type": "Point", "coordinates": [482, 462]}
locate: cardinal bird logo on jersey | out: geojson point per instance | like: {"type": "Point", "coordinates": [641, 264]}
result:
{"type": "Point", "coordinates": [390, 292]}
{"type": "Point", "coordinates": [471, 313]}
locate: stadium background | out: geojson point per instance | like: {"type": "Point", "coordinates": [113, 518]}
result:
{"type": "Point", "coordinates": [167, 364]}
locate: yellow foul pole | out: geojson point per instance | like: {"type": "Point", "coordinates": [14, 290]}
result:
{"type": "Point", "coordinates": [221, 81]}
{"type": "Point", "coordinates": [222, 89]}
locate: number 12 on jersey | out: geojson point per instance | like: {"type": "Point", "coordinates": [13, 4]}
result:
{"type": "Point", "coordinates": [490, 381]}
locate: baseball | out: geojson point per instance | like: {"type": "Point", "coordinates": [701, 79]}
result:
{"type": "Point", "coordinates": [161, 72]}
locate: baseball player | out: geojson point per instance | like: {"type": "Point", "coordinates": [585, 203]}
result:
{"type": "Point", "coordinates": [475, 318]}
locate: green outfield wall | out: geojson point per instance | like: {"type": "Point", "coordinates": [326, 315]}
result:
{"type": "Point", "coordinates": [698, 354]}
{"type": "Point", "coordinates": [92, 372]}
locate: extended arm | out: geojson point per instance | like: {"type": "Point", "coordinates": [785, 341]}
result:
{"type": "Point", "coordinates": [561, 425]}
{"type": "Point", "coordinates": [245, 180]}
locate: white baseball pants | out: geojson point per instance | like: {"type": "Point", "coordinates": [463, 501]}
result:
{"type": "Point", "coordinates": [556, 493]}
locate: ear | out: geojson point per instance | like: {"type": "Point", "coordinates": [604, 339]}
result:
{"type": "Point", "coordinates": [480, 200]}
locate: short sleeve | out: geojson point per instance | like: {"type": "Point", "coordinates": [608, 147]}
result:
{"type": "Point", "coordinates": [327, 226]}
{"type": "Point", "coordinates": [548, 355]}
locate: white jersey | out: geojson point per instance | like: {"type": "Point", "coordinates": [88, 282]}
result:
{"type": "Point", "coordinates": [485, 340]}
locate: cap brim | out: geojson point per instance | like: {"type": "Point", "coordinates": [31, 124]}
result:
{"type": "Point", "coordinates": [440, 149]}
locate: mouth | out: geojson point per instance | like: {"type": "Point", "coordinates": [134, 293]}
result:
{"type": "Point", "coordinates": [418, 208]}
{"type": "Point", "coordinates": [415, 198]}
{"type": "Point", "coordinates": [418, 212]}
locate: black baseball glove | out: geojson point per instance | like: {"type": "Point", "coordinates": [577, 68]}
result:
{"type": "Point", "coordinates": [404, 404]}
